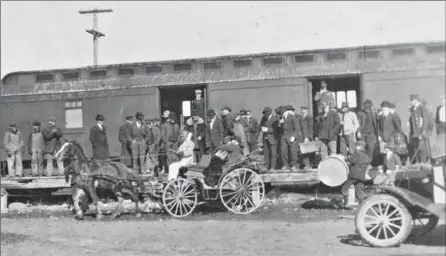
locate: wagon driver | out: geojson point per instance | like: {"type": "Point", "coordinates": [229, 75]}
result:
{"type": "Point", "coordinates": [185, 153]}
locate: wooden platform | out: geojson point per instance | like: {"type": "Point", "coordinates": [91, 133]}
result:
{"type": "Point", "coordinates": [290, 178]}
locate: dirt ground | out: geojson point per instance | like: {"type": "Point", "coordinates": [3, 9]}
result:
{"type": "Point", "coordinates": [279, 227]}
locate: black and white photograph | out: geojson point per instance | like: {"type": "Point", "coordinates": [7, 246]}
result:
{"type": "Point", "coordinates": [223, 128]}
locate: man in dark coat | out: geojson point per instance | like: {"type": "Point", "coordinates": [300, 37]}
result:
{"type": "Point", "coordinates": [153, 138]}
{"type": "Point", "coordinates": [368, 127]}
{"type": "Point", "coordinates": [269, 126]}
{"type": "Point", "coordinates": [98, 139]}
{"type": "Point", "coordinates": [388, 125]}
{"type": "Point", "coordinates": [328, 130]}
{"type": "Point", "coordinates": [165, 145]}
{"type": "Point", "coordinates": [228, 120]}
{"type": "Point", "coordinates": [198, 104]}
{"type": "Point", "coordinates": [138, 134]}
{"type": "Point", "coordinates": [292, 133]}
{"type": "Point", "coordinates": [195, 125]}
{"type": "Point", "coordinates": [419, 121]}
{"type": "Point", "coordinates": [307, 121]}
{"type": "Point", "coordinates": [174, 139]}
{"type": "Point", "coordinates": [214, 132]}
{"type": "Point", "coordinates": [251, 130]}
{"type": "Point", "coordinates": [125, 139]}
{"type": "Point", "coordinates": [359, 162]}
{"type": "Point", "coordinates": [51, 136]}
{"type": "Point", "coordinates": [36, 146]}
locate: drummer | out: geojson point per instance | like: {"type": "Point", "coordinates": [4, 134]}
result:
{"type": "Point", "coordinates": [359, 162]}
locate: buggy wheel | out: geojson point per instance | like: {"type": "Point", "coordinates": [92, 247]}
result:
{"type": "Point", "coordinates": [421, 225]}
{"type": "Point", "coordinates": [242, 191]}
{"type": "Point", "coordinates": [383, 221]}
{"type": "Point", "coordinates": [179, 198]}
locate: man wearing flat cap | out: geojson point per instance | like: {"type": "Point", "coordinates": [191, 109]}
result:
{"type": "Point", "coordinates": [36, 145]}
{"type": "Point", "coordinates": [251, 130]}
{"type": "Point", "coordinates": [269, 126]}
{"type": "Point", "coordinates": [13, 143]}
{"type": "Point", "coordinates": [324, 96]}
{"type": "Point", "coordinates": [98, 139]}
{"type": "Point", "coordinates": [125, 138]}
{"type": "Point", "coordinates": [292, 133]}
{"type": "Point", "coordinates": [368, 127]}
{"type": "Point", "coordinates": [138, 135]}
{"type": "Point", "coordinates": [52, 136]}
{"type": "Point", "coordinates": [198, 104]}
{"type": "Point", "coordinates": [419, 121]}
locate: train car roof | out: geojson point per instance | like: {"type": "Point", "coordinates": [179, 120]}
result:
{"type": "Point", "coordinates": [224, 57]}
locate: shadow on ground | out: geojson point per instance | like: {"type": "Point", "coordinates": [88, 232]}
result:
{"type": "Point", "coordinates": [13, 238]}
{"type": "Point", "coordinates": [436, 238]}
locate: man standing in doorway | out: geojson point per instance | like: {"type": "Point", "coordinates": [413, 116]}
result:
{"type": "Point", "coordinates": [36, 145]}
{"type": "Point", "coordinates": [349, 124]}
{"type": "Point", "coordinates": [125, 139]}
{"type": "Point", "coordinates": [328, 130]}
{"type": "Point", "coordinates": [324, 96]}
{"type": "Point", "coordinates": [13, 143]}
{"type": "Point", "coordinates": [52, 135]}
{"type": "Point", "coordinates": [198, 104]}
{"type": "Point", "coordinates": [138, 135]}
{"type": "Point", "coordinates": [98, 139]}
{"type": "Point", "coordinates": [368, 127]}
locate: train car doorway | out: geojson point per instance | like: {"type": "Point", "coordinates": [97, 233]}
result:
{"type": "Point", "coordinates": [179, 98]}
{"type": "Point", "coordinates": [345, 89]}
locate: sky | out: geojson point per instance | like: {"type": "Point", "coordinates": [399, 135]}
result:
{"type": "Point", "coordinates": [50, 35]}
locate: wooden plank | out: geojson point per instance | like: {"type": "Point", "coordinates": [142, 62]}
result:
{"type": "Point", "coordinates": [36, 184]}
{"type": "Point", "coordinates": [290, 177]}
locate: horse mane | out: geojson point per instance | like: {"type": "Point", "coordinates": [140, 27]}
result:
{"type": "Point", "coordinates": [79, 148]}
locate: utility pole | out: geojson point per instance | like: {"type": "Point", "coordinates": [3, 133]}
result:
{"type": "Point", "coordinates": [96, 34]}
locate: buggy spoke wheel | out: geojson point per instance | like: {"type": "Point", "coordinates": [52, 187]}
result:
{"type": "Point", "coordinates": [423, 225]}
{"type": "Point", "coordinates": [383, 221]}
{"type": "Point", "coordinates": [179, 198]}
{"type": "Point", "coordinates": [241, 191]}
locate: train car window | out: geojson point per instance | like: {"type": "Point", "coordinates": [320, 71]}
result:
{"type": "Point", "coordinates": [44, 77]}
{"type": "Point", "coordinates": [304, 58]}
{"type": "Point", "coordinates": [73, 115]}
{"type": "Point", "coordinates": [70, 75]}
{"type": "Point", "coordinates": [126, 72]}
{"type": "Point", "coordinates": [272, 60]}
{"type": "Point", "coordinates": [182, 67]}
{"type": "Point", "coordinates": [154, 69]}
{"type": "Point", "coordinates": [351, 99]}
{"type": "Point", "coordinates": [436, 49]}
{"type": "Point", "coordinates": [242, 63]}
{"type": "Point", "coordinates": [98, 73]}
{"type": "Point", "coordinates": [403, 52]}
{"type": "Point", "coordinates": [212, 65]}
{"type": "Point", "coordinates": [335, 56]}
{"type": "Point", "coordinates": [368, 54]}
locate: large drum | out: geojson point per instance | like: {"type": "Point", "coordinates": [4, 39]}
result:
{"type": "Point", "coordinates": [333, 171]}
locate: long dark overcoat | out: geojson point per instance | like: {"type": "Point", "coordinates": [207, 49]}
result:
{"type": "Point", "coordinates": [99, 142]}
{"type": "Point", "coordinates": [51, 139]}
{"type": "Point", "coordinates": [125, 138]}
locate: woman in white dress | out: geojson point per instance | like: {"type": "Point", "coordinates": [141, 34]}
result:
{"type": "Point", "coordinates": [185, 153]}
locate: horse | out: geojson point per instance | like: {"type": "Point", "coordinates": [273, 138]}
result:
{"type": "Point", "coordinates": [88, 175]}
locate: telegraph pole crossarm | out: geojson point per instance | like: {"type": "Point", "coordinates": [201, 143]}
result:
{"type": "Point", "coordinates": [95, 32]}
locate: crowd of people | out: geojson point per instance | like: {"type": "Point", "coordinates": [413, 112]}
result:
{"type": "Point", "coordinates": [152, 145]}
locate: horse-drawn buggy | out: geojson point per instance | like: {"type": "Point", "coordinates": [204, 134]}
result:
{"type": "Point", "coordinates": [407, 203]}
{"type": "Point", "coordinates": [239, 187]}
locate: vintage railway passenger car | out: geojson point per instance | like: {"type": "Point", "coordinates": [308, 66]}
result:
{"type": "Point", "coordinates": [75, 96]}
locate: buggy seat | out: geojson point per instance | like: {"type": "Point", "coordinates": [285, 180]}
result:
{"type": "Point", "coordinates": [203, 164]}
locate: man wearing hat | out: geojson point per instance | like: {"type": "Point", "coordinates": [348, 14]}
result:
{"type": "Point", "coordinates": [52, 136]}
{"type": "Point", "coordinates": [198, 104]}
{"type": "Point", "coordinates": [368, 127]}
{"type": "Point", "coordinates": [359, 161]}
{"type": "Point", "coordinates": [293, 132]}
{"type": "Point", "coordinates": [391, 160]}
{"type": "Point", "coordinates": [138, 136]}
{"type": "Point", "coordinates": [98, 139]}
{"type": "Point", "coordinates": [228, 120]}
{"type": "Point", "coordinates": [125, 138]}
{"type": "Point", "coordinates": [440, 117]}
{"type": "Point", "coordinates": [153, 138]}
{"type": "Point", "coordinates": [195, 125]}
{"type": "Point", "coordinates": [238, 129]}
{"type": "Point", "coordinates": [14, 145]}
{"type": "Point", "coordinates": [329, 125]}
{"type": "Point", "coordinates": [174, 138]}
{"type": "Point", "coordinates": [214, 132]}
{"type": "Point", "coordinates": [307, 121]}
{"type": "Point", "coordinates": [419, 129]}
{"type": "Point", "coordinates": [251, 130]}
{"type": "Point", "coordinates": [387, 124]}
{"type": "Point", "coordinates": [349, 126]}
{"type": "Point", "coordinates": [269, 126]}
{"type": "Point", "coordinates": [36, 145]}
{"type": "Point", "coordinates": [324, 96]}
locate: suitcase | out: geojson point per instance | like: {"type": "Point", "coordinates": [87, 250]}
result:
{"type": "Point", "coordinates": [307, 148]}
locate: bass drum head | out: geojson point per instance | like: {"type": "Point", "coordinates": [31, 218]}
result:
{"type": "Point", "coordinates": [333, 171]}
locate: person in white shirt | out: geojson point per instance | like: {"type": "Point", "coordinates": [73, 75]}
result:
{"type": "Point", "coordinates": [186, 154]}
{"type": "Point", "coordinates": [440, 117]}
{"type": "Point", "coordinates": [350, 125]}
